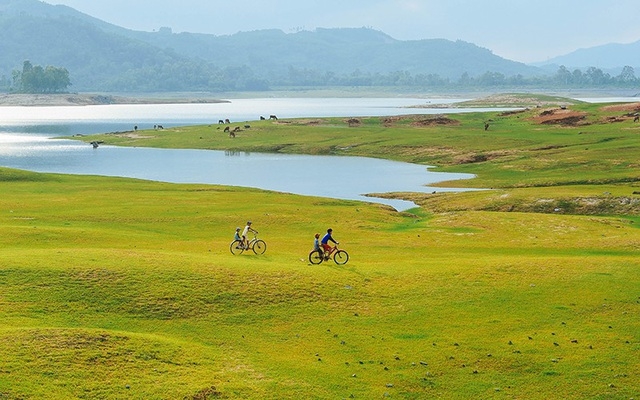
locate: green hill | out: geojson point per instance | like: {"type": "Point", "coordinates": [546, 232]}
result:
{"type": "Point", "coordinates": [339, 51]}
{"type": "Point", "coordinates": [103, 57]}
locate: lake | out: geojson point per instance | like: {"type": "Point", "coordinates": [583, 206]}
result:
{"type": "Point", "coordinates": [26, 143]}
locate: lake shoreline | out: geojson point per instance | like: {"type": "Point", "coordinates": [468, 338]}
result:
{"type": "Point", "coordinates": [459, 99]}
{"type": "Point", "coordinates": [89, 99]}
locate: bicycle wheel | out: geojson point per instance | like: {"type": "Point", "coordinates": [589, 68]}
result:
{"type": "Point", "coordinates": [341, 257]}
{"type": "Point", "coordinates": [316, 257]}
{"type": "Point", "coordinates": [236, 247]}
{"type": "Point", "coordinates": [259, 246]}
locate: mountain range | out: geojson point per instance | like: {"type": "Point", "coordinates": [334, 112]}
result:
{"type": "Point", "coordinates": [612, 56]}
{"type": "Point", "coordinates": [104, 57]}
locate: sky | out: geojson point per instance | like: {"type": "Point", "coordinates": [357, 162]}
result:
{"type": "Point", "coordinates": [520, 30]}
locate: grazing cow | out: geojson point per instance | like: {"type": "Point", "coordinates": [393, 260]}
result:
{"type": "Point", "coordinates": [262, 118]}
{"type": "Point", "coordinates": [247, 126]}
{"type": "Point", "coordinates": [220, 121]}
{"type": "Point", "coordinates": [273, 117]}
{"type": "Point", "coordinates": [232, 134]}
{"type": "Point", "coordinates": [636, 118]}
{"type": "Point", "coordinates": [226, 121]}
{"type": "Point", "coordinates": [226, 129]}
{"type": "Point", "coordinates": [135, 128]}
{"type": "Point", "coordinates": [160, 127]}
{"type": "Point", "coordinates": [486, 126]}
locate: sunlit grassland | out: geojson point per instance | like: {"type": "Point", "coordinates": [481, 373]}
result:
{"type": "Point", "coordinates": [119, 288]}
{"type": "Point", "coordinates": [111, 290]}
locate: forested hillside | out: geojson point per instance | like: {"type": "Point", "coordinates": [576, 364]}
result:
{"type": "Point", "coordinates": [104, 57]}
{"type": "Point", "coordinates": [340, 51]}
{"type": "Point", "coordinates": [100, 56]}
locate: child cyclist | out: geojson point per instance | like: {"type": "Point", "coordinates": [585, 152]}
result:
{"type": "Point", "coordinates": [325, 242]}
{"type": "Point", "coordinates": [245, 231]}
{"type": "Point", "coordinates": [316, 243]}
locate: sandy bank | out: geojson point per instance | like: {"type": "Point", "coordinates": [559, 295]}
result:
{"type": "Point", "coordinates": [26, 100]}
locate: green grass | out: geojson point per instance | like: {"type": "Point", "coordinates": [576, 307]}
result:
{"type": "Point", "coordinates": [119, 288]}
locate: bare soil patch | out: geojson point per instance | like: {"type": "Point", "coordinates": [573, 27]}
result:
{"type": "Point", "coordinates": [560, 116]}
{"type": "Point", "coordinates": [309, 122]}
{"type": "Point", "coordinates": [437, 120]}
{"type": "Point", "coordinates": [126, 134]}
{"type": "Point", "coordinates": [420, 120]}
{"type": "Point", "coordinates": [353, 122]}
{"type": "Point", "coordinates": [386, 121]}
{"type": "Point", "coordinates": [135, 136]}
{"type": "Point", "coordinates": [472, 158]}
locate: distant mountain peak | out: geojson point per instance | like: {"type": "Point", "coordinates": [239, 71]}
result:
{"type": "Point", "coordinates": [612, 55]}
{"type": "Point", "coordinates": [357, 35]}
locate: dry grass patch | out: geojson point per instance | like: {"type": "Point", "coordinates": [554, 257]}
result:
{"type": "Point", "coordinates": [628, 107]}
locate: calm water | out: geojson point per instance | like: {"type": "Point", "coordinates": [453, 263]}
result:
{"type": "Point", "coordinates": [26, 143]}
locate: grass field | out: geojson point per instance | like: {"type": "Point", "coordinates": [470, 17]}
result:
{"type": "Point", "coordinates": [125, 289]}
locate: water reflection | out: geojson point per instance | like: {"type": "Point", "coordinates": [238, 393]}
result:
{"type": "Point", "coordinates": [342, 177]}
{"type": "Point", "coordinates": [231, 153]}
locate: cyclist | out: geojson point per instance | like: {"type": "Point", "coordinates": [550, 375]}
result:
{"type": "Point", "coordinates": [236, 235]}
{"type": "Point", "coordinates": [325, 242]}
{"type": "Point", "coordinates": [246, 230]}
{"type": "Point", "coordinates": [316, 242]}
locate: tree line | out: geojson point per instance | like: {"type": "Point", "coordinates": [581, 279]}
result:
{"type": "Point", "coordinates": [563, 78]}
{"type": "Point", "coordinates": [207, 77]}
{"type": "Point", "coordinates": [193, 76]}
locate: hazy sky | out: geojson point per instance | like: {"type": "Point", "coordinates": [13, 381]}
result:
{"type": "Point", "coordinates": [520, 30]}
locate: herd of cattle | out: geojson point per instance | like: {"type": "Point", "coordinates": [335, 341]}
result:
{"type": "Point", "coordinates": [227, 129]}
{"type": "Point", "coordinates": [232, 132]}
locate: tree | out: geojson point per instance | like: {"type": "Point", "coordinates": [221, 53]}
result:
{"type": "Point", "coordinates": [465, 79]}
{"type": "Point", "coordinates": [577, 76]}
{"type": "Point", "coordinates": [5, 84]}
{"type": "Point", "coordinates": [35, 79]}
{"type": "Point", "coordinates": [491, 79]}
{"type": "Point", "coordinates": [596, 77]}
{"type": "Point", "coordinates": [563, 76]}
{"type": "Point", "coordinates": [627, 75]}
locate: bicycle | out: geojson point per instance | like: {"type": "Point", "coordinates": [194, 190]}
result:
{"type": "Point", "coordinates": [257, 245]}
{"type": "Point", "coordinates": [340, 257]}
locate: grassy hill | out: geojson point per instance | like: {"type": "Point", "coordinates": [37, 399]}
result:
{"type": "Point", "coordinates": [118, 288]}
